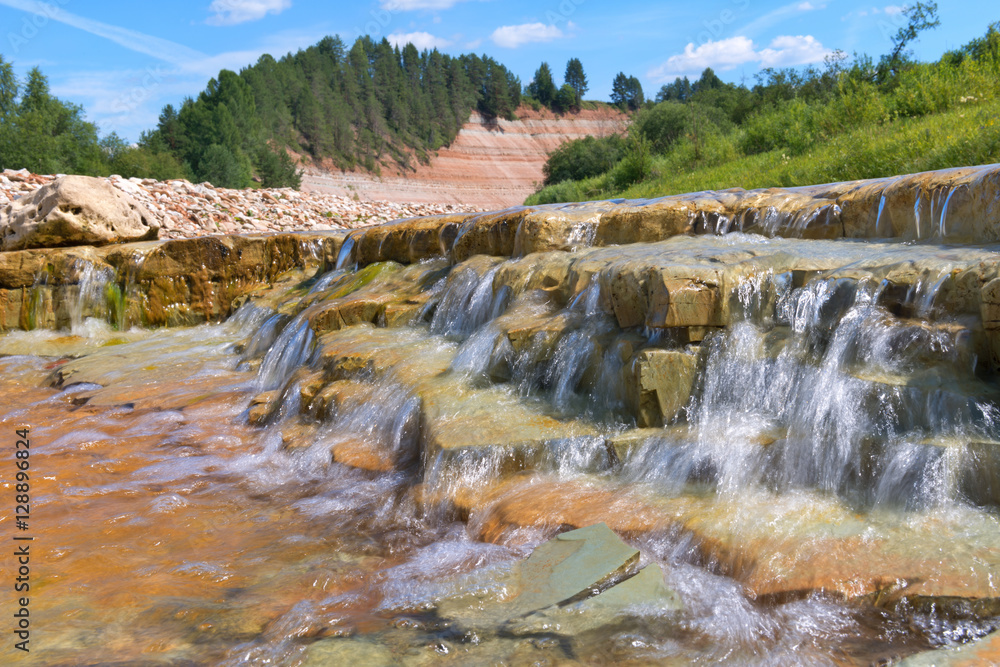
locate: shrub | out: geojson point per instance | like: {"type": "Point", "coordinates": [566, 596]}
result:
{"type": "Point", "coordinates": [635, 165]}
{"type": "Point", "coordinates": [583, 158]}
{"type": "Point", "coordinates": [663, 125]}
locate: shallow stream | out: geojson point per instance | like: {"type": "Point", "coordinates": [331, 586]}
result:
{"type": "Point", "coordinates": [826, 430]}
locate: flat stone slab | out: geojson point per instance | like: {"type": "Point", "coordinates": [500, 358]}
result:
{"type": "Point", "coordinates": [573, 566]}
{"type": "Point", "coordinates": [951, 205]}
{"type": "Point", "coordinates": [780, 547]}
{"type": "Point", "coordinates": [986, 651]}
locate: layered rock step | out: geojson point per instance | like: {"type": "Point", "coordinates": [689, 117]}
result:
{"type": "Point", "coordinates": [155, 283]}
{"type": "Point", "coordinates": [477, 442]}
{"type": "Point", "coordinates": [779, 546]}
{"type": "Point", "coordinates": [948, 206]}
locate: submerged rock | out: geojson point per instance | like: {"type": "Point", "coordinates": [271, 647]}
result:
{"type": "Point", "coordinates": [579, 580]}
{"type": "Point", "coordinates": [73, 211]}
{"type": "Point", "coordinates": [986, 651]}
{"type": "Point", "coordinates": [572, 567]}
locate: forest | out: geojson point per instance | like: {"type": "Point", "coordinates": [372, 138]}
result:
{"type": "Point", "coordinates": [362, 107]}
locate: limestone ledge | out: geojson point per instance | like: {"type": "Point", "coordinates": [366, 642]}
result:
{"type": "Point", "coordinates": [173, 282]}
{"type": "Point", "coordinates": [960, 205]}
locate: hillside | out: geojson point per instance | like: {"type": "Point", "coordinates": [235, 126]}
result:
{"type": "Point", "coordinates": [365, 107]}
{"type": "Point", "coordinates": [491, 164]}
{"type": "Point", "coordinates": [849, 121]}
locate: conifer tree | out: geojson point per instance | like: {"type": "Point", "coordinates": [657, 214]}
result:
{"type": "Point", "coordinates": [576, 79]}
{"type": "Point", "coordinates": [542, 88]}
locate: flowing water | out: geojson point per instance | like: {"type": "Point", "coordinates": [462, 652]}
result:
{"type": "Point", "coordinates": [201, 496]}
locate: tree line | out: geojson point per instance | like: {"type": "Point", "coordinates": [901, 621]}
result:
{"type": "Point", "coordinates": [361, 106]}
{"type": "Point", "coordinates": [364, 106]}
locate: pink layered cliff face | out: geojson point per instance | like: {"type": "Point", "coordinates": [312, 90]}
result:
{"type": "Point", "coordinates": [489, 165]}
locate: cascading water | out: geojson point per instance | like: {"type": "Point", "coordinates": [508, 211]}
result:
{"type": "Point", "coordinates": [290, 349]}
{"type": "Point", "coordinates": [829, 396]}
{"type": "Point", "coordinates": [346, 253]}
{"type": "Point", "coordinates": [468, 303]}
{"type": "Point", "coordinates": [91, 299]}
{"type": "Point", "coordinates": [37, 297]}
{"type": "Point", "coordinates": [401, 466]}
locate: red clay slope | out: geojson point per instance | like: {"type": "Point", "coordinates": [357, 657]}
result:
{"type": "Point", "coordinates": [489, 165]}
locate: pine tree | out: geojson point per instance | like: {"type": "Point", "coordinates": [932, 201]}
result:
{"type": "Point", "coordinates": [576, 79]}
{"type": "Point", "coordinates": [626, 92]}
{"type": "Point", "coordinates": [542, 88]}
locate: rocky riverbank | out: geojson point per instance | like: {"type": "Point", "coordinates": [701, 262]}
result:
{"type": "Point", "coordinates": [188, 210]}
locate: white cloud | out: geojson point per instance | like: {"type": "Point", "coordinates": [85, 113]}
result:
{"type": "Point", "coordinates": [231, 12]}
{"type": "Point", "coordinates": [421, 40]}
{"type": "Point", "coordinates": [411, 5]}
{"type": "Point", "coordinates": [788, 51]}
{"type": "Point", "coordinates": [725, 54]}
{"type": "Point", "coordinates": [513, 36]}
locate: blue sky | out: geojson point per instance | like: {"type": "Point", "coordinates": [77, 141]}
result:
{"type": "Point", "coordinates": [124, 60]}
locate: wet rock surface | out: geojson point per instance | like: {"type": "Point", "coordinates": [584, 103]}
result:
{"type": "Point", "coordinates": [948, 206]}
{"type": "Point", "coordinates": [482, 443]}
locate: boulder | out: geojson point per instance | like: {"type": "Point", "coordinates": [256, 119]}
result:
{"type": "Point", "coordinates": [661, 385]}
{"type": "Point", "coordinates": [72, 211]}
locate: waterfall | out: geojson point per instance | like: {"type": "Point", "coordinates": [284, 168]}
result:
{"type": "Point", "coordinates": [346, 253]}
{"type": "Point", "coordinates": [91, 297]}
{"type": "Point", "coordinates": [468, 303]}
{"type": "Point", "coordinates": [291, 349]}
{"type": "Point", "coordinates": [38, 298]}
{"type": "Point", "coordinates": [833, 396]}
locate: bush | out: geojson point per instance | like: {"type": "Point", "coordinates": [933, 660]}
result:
{"type": "Point", "coordinates": [583, 158]}
{"type": "Point", "coordinates": [561, 192]}
{"type": "Point", "coordinates": [791, 126]}
{"type": "Point", "coordinates": [222, 168]}
{"type": "Point", "coordinates": [663, 125]}
{"type": "Point", "coordinates": [276, 170]}
{"type": "Point", "coordinates": [565, 99]}
{"type": "Point", "coordinates": [635, 165]}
